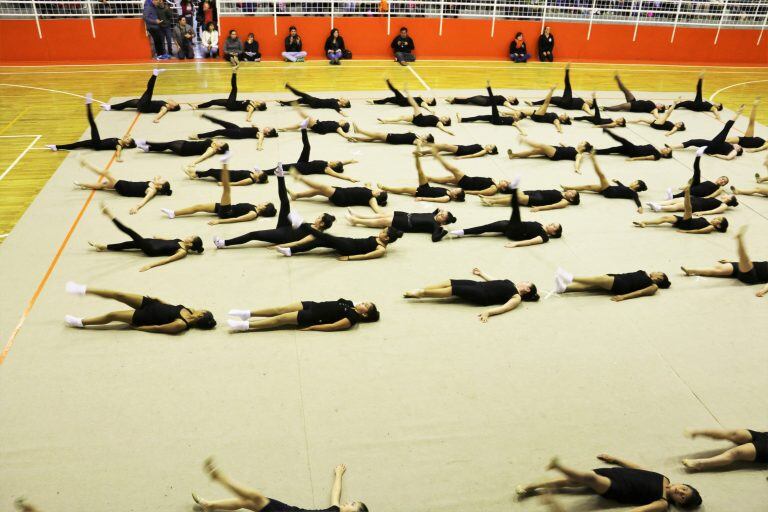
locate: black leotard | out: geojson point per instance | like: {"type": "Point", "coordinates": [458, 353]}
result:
{"type": "Point", "coordinates": [232, 211]}
{"type": "Point", "coordinates": [495, 118]}
{"type": "Point", "coordinates": [698, 104]}
{"type": "Point", "coordinates": [644, 106]}
{"type": "Point", "coordinates": [484, 293]}
{"type": "Point", "coordinates": [398, 98]}
{"type": "Point", "coordinates": [427, 190]}
{"type": "Point", "coordinates": [760, 441]}
{"type": "Point", "coordinates": [425, 121]}
{"type": "Point", "coordinates": [326, 127]}
{"type": "Point", "coordinates": [95, 143]}
{"type": "Point", "coordinates": [595, 118]}
{"type": "Point", "coordinates": [155, 312]}
{"type": "Point", "coordinates": [630, 282]}
{"type": "Point", "coordinates": [343, 245]}
{"type": "Point", "coordinates": [351, 196]}
{"type": "Point", "coordinates": [564, 153]}
{"type": "Point", "coordinates": [468, 150]}
{"type": "Point", "coordinates": [633, 486]}
{"type": "Point", "coordinates": [311, 101]}
{"type": "Point", "coordinates": [547, 117]}
{"type": "Point", "coordinates": [419, 223]}
{"type": "Point", "coordinates": [543, 197]}
{"type": "Point", "coordinates": [482, 100]}
{"type": "Point", "coordinates": [758, 274]}
{"type": "Point", "coordinates": [692, 224]}
{"type": "Point", "coordinates": [234, 175]}
{"type": "Point", "coordinates": [665, 126]}
{"type": "Point", "coordinates": [566, 101]}
{"type": "Point", "coordinates": [401, 138]}
{"type": "Point", "coordinates": [149, 246]}
{"type": "Point", "coordinates": [514, 228]}
{"type": "Point", "coordinates": [326, 312]}
{"type": "Point", "coordinates": [621, 191]}
{"type": "Point", "coordinates": [717, 145]}
{"type": "Point", "coordinates": [704, 204]}
{"type": "Point", "coordinates": [229, 130]}
{"type": "Point", "coordinates": [182, 147]}
{"type": "Point", "coordinates": [278, 506]}
{"type": "Point", "coordinates": [475, 183]}
{"type": "Point", "coordinates": [145, 103]}
{"type": "Point", "coordinates": [131, 188]}
{"type": "Point", "coordinates": [629, 149]}
{"type": "Point", "coordinates": [699, 188]}
{"type": "Point", "coordinates": [751, 142]}
{"type": "Point", "coordinates": [230, 103]}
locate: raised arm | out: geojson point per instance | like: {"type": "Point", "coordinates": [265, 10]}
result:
{"type": "Point", "coordinates": [338, 475]}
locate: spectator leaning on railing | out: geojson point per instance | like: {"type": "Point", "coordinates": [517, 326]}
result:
{"type": "Point", "coordinates": [403, 47]}
{"type": "Point", "coordinates": [233, 48]}
{"type": "Point", "coordinates": [154, 27]}
{"type": "Point", "coordinates": [184, 36]}
{"type": "Point", "coordinates": [251, 49]}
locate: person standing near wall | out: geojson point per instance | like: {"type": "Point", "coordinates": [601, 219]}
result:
{"type": "Point", "coordinates": [154, 27]}
{"type": "Point", "coordinates": [518, 51]}
{"type": "Point", "coordinates": [293, 45]}
{"type": "Point", "coordinates": [166, 18]}
{"type": "Point", "coordinates": [546, 45]}
{"type": "Point", "coordinates": [184, 36]}
{"type": "Point", "coordinates": [403, 47]}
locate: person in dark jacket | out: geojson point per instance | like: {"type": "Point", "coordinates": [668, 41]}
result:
{"type": "Point", "coordinates": [403, 47]}
{"type": "Point", "coordinates": [293, 44]}
{"type": "Point", "coordinates": [166, 17]}
{"type": "Point", "coordinates": [251, 49]}
{"type": "Point", "coordinates": [334, 47]}
{"type": "Point", "coordinates": [546, 45]}
{"type": "Point", "coordinates": [233, 48]}
{"type": "Point", "coordinates": [185, 37]}
{"type": "Point", "coordinates": [518, 52]}
{"type": "Point", "coordinates": [154, 27]}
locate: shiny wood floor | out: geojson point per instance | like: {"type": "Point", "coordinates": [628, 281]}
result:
{"type": "Point", "coordinates": [35, 101]}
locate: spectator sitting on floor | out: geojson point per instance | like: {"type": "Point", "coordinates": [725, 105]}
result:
{"type": "Point", "coordinates": [546, 45]}
{"type": "Point", "coordinates": [293, 51]}
{"type": "Point", "coordinates": [184, 36]}
{"type": "Point", "coordinates": [518, 52]}
{"type": "Point", "coordinates": [334, 47]}
{"type": "Point", "coordinates": [210, 41]}
{"type": "Point", "coordinates": [251, 49]}
{"type": "Point", "coordinates": [403, 47]}
{"type": "Point", "coordinates": [154, 27]}
{"type": "Point", "coordinates": [233, 48]}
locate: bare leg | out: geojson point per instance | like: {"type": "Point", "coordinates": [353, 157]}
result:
{"type": "Point", "coordinates": [319, 188]}
{"type": "Point", "coordinates": [544, 106]}
{"type": "Point", "coordinates": [597, 483]}
{"type": "Point", "coordinates": [736, 436]}
{"type": "Point", "coordinates": [558, 483]}
{"type": "Point", "coordinates": [444, 180]}
{"type": "Point", "coordinates": [296, 306]}
{"type": "Point", "coordinates": [94, 186]}
{"type": "Point", "coordinates": [666, 219]}
{"type": "Point", "coordinates": [605, 282]}
{"type": "Point", "coordinates": [750, 132]}
{"type": "Point", "coordinates": [370, 223]}
{"type": "Point", "coordinates": [525, 154]}
{"type": "Point", "coordinates": [226, 191]}
{"type": "Point", "coordinates": [722, 270]}
{"type": "Point", "coordinates": [759, 191]}
{"type": "Point", "coordinates": [274, 321]}
{"type": "Point", "coordinates": [190, 210]}
{"type": "Point", "coordinates": [410, 191]}
{"type": "Point", "coordinates": [255, 497]}
{"type": "Point", "coordinates": [745, 452]}
{"type": "Point", "coordinates": [627, 93]}
{"type": "Point", "coordinates": [129, 299]}
{"type": "Point", "coordinates": [583, 188]}
{"type": "Point", "coordinates": [104, 174]}
{"type": "Point", "coordinates": [745, 264]}
{"type": "Point", "coordinates": [395, 119]}
{"type": "Point", "coordinates": [373, 135]}
{"type": "Point", "coordinates": [124, 316]}
{"type": "Point", "coordinates": [231, 504]}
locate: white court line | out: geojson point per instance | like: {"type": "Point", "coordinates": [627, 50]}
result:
{"type": "Point", "coordinates": [734, 85]}
{"type": "Point", "coordinates": [4, 235]}
{"type": "Point", "coordinates": [10, 167]}
{"type": "Point", "coordinates": [17, 136]}
{"type": "Point", "coordinates": [414, 73]}
{"type": "Point", "coordinates": [50, 90]}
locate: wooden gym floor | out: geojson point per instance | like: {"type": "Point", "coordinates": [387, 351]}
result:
{"type": "Point", "coordinates": [39, 100]}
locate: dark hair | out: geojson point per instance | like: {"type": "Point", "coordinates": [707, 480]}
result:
{"type": "Point", "coordinates": [197, 245]}
{"type": "Point", "coordinates": [403, 28]}
{"type": "Point", "coordinates": [558, 232]}
{"type": "Point", "coordinates": [588, 147]}
{"type": "Point", "coordinates": [447, 122]}
{"type": "Point", "coordinates": [739, 151]}
{"type": "Point", "coordinates": [327, 220]}
{"type": "Point", "coordinates": [381, 199]}
{"type": "Point", "coordinates": [393, 234]}
{"type": "Point", "coordinates": [292, 27]}
{"type": "Point", "coordinates": [272, 134]}
{"type": "Point", "coordinates": [518, 35]}
{"type": "Point", "coordinates": [345, 127]}
{"type": "Point", "coordinates": [172, 109]}
{"type": "Point", "coordinates": [664, 283]}
{"type": "Point", "coordinates": [567, 120]}
{"type": "Point", "coordinates": [495, 150]}
{"type": "Point", "coordinates": [165, 189]}
{"type": "Point", "coordinates": [210, 23]}
{"type": "Point", "coordinates": [532, 295]}
{"type": "Point", "coordinates": [719, 107]}
{"type": "Point", "coordinates": [262, 107]}
{"type": "Point", "coordinates": [363, 507]}
{"type": "Point", "coordinates": [372, 315]}
{"type": "Point", "coordinates": [269, 210]}
{"type": "Point", "coordinates": [662, 108]}
{"type": "Point", "coordinates": [682, 127]}
{"type": "Point", "coordinates": [641, 186]}
{"type": "Point", "coordinates": [263, 178]}
{"type": "Point", "coordinates": [576, 199]}
{"type": "Point", "coordinates": [515, 101]}
{"type": "Point", "coordinates": [732, 201]}
{"type": "Point", "coordinates": [129, 145]}
{"type": "Point", "coordinates": [450, 220]}
{"type": "Point", "coordinates": [205, 322]}
{"type": "Point", "coordinates": [723, 227]}
{"type": "Point", "coordinates": [430, 138]}
{"type": "Point", "coordinates": [668, 155]}
{"type": "Point", "coordinates": [332, 31]}
{"type": "Point", "coordinates": [338, 166]}
{"type": "Point", "coordinates": [251, 34]}
{"type": "Point", "coordinates": [232, 31]}
{"type": "Point", "coordinates": [432, 102]}
{"type": "Point", "coordinates": [694, 500]}
{"type": "Point", "coordinates": [622, 122]}
{"type": "Point", "coordinates": [223, 148]}
{"type": "Point", "coordinates": [461, 196]}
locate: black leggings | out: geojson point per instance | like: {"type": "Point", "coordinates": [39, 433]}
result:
{"type": "Point", "coordinates": [480, 101]}
{"type": "Point", "coordinates": [695, 181]}
{"type": "Point", "coordinates": [716, 146]}
{"type": "Point", "coordinates": [397, 99]}
{"type": "Point", "coordinates": [595, 117]}
{"type": "Point", "coordinates": [344, 246]}
{"type": "Point", "coordinates": [229, 130]}
{"type": "Point", "coordinates": [145, 245]}
{"type": "Point", "coordinates": [567, 92]}
{"type": "Point", "coordinates": [92, 142]}
{"type": "Point", "coordinates": [283, 232]}
{"type": "Point", "coordinates": [176, 146]}
{"type": "Point", "coordinates": [230, 103]}
{"type": "Point", "coordinates": [304, 99]}
{"type": "Point", "coordinates": [626, 148]}
{"type": "Point", "coordinates": [698, 104]}
{"type": "Point", "coordinates": [494, 118]}
{"type": "Point", "coordinates": [143, 104]}
{"type": "Point", "coordinates": [511, 228]}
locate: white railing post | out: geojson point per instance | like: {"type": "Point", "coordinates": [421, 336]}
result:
{"type": "Point", "coordinates": [637, 20]}
{"type": "Point", "coordinates": [677, 16]}
{"type": "Point", "coordinates": [275, 15]}
{"type": "Point", "coordinates": [37, 20]}
{"type": "Point", "coordinates": [720, 23]}
{"type": "Point", "coordinates": [90, 16]}
{"type": "Point", "coordinates": [333, 5]}
{"type": "Point", "coordinates": [543, 16]}
{"type": "Point", "coordinates": [591, 17]}
{"type": "Point", "coordinates": [389, 18]}
{"type": "Point", "coordinates": [765, 20]}
{"type": "Point", "coordinates": [442, 3]}
{"type": "Point", "coordinates": [493, 18]}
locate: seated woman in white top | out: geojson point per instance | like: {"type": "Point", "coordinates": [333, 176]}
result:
{"type": "Point", "coordinates": [210, 41]}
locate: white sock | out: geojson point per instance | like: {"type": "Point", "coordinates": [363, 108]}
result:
{"type": "Point", "coordinates": [219, 242]}
{"type": "Point", "coordinates": [566, 276]}
{"type": "Point", "coordinates": [52, 147]}
{"type": "Point", "coordinates": [457, 232]}
{"type": "Point", "coordinates": [669, 194]}
{"type": "Point", "coordinates": [515, 182]}
{"type": "Point", "coordinates": [700, 151]}
{"type": "Point", "coordinates": [296, 220]}
{"type": "Point", "coordinates": [279, 171]}
{"type": "Point", "coordinates": [157, 71]}
{"type": "Point", "coordinates": [304, 123]}
{"type": "Point", "coordinates": [242, 314]}
{"type": "Point", "coordinates": [142, 145]}
{"type": "Point", "coordinates": [654, 206]}
{"type": "Point", "coordinates": [73, 321]}
{"type": "Point", "coordinates": [75, 288]}
{"type": "Point", "coordinates": [238, 325]}
{"type": "Point", "coordinates": [170, 213]}
{"type": "Point", "coordinates": [285, 251]}
{"type": "Point", "coordinates": [88, 98]}
{"type": "Point", "coordinates": [106, 106]}
{"type": "Point", "coordinates": [225, 157]}
{"type": "Point", "coordinates": [559, 285]}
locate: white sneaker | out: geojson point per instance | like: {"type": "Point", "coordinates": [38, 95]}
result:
{"type": "Point", "coordinates": [654, 206]}
{"type": "Point", "coordinates": [73, 321]}
{"type": "Point", "coordinates": [560, 286]}
{"type": "Point", "coordinates": [567, 277]}
{"type": "Point", "coordinates": [88, 98]}
{"type": "Point", "coordinates": [700, 151]}
{"type": "Point", "coordinates": [219, 242]}
{"type": "Point", "coordinates": [669, 194]}
{"type": "Point", "coordinates": [296, 220]}
{"type": "Point", "coordinates": [515, 182]}
{"type": "Point", "coordinates": [75, 288]}
{"type": "Point", "coordinates": [238, 325]}
{"type": "Point", "coordinates": [105, 106]}
{"type": "Point", "coordinates": [225, 157]}
{"type": "Point", "coordinates": [170, 213]}
{"type": "Point", "coordinates": [285, 251]}
{"type": "Point", "coordinates": [304, 123]}
{"type": "Point", "coordinates": [457, 232]}
{"type": "Point", "coordinates": [279, 171]}
{"type": "Point", "coordinates": [157, 71]}
{"type": "Point", "coordinates": [242, 314]}
{"type": "Point", "coordinates": [52, 147]}
{"type": "Point", "coordinates": [142, 145]}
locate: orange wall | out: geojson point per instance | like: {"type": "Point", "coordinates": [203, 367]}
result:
{"type": "Point", "coordinates": [125, 40]}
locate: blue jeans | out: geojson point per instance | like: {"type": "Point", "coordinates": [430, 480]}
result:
{"type": "Point", "coordinates": [334, 54]}
{"type": "Point", "coordinates": [519, 57]}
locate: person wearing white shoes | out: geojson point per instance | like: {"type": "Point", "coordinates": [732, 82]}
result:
{"type": "Point", "coordinates": [335, 315]}
{"type": "Point", "coordinates": [688, 223]}
{"type": "Point", "coordinates": [226, 212]}
{"type": "Point", "coordinates": [700, 188]}
{"type": "Point", "coordinates": [146, 314]}
{"type": "Point", "coordinates": [144, 189]}
{"type": "Point", "coordinates": [145, 104]}
{"type": "Point", "coordinates": [699, 205]}
{"type": "Point", "coordinates": [622, 286]}
{"type": "Point", "coordinates": [284, 232]}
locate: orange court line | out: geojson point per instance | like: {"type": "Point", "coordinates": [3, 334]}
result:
{"type": "Point", "coordinates": [55, 261]}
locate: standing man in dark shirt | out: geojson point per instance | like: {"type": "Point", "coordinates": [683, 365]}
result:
{"type": "Point", "coordinates": [166, 25]}
{"type": "Point", "coordinates": [403, 47]}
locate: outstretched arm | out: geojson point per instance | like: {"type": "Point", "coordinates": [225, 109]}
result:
{"type": "Point", "coordinates": [482, 275]}
{"type": "Point", "coordinates": [524, 243]}
{"type": "Point", "coordinates": [376, 253]}
{"type": "Point", "coordinates": [656, 506]}
{"type": "Point", "coordinates": [729, 156]}
{"type": "Point", "coordinates": [243, 218]}
{"type": "Point", "coordinates": [174, 327]}
{"type": "Point", "coordinates": [341, 325]}
{"type": "Point", "coordinates": [441, 127]}
{"type": "Point", "coordinates": [338, 475]}
{"type": "Point", "coordinates": [500, 310]}
{"type": "Point", "coordinates": [180, 254]}
{"type": "Point", "coordinates": [205, 156]}
{"type": "Point", "coordinates": [149, 195]}
{"type": "Point", "coordinates": [473, 155]}
{"type": "Point", "coordinates": [160, 114]}
{"type": "Point", "coordinates": [645, 292]}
